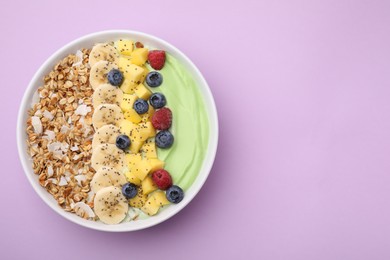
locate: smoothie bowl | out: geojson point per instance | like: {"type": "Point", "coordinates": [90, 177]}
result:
{"type": "Point", "coordinates": [117, 131]}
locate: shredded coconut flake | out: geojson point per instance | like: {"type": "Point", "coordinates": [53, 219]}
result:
{"type": "Point", "coordinates": [38, 113]}
{"type": "Point", "coordinates": [79, 56]}
{"type": "Point", "coordinates": [49, 135]}
{"type": "Point", "coordinates": [48, 115]}
{"type": "Point", "coordinates": [87, 131]}
{"type": "Point", "coordinates": [53, 180]}
{"type": "Point", "coordinates": [58, 149]}
{"type": "Point", "coordinates": [50, 171]}
{"type": "Point", "coordinates": [64, 129]}
{"type": "Point", "coordinates": [37, 124]}
{"type": "Point", "coordinates": [80, 178]}
{"type": "Point", "coordinates": [35, 98]}
{"type": "Point", "coordinates": [67, 176]}
{"type": "Point", "coordinates": [63, 181]}
{"type": "Point", "coordinates": [91, 194]}
{"type": "Point", "coordinates": [81, 208]}
{"type": "Point", "coordinates": [82, 110]}
{"type": "Point", "coordinates": [74, 148]}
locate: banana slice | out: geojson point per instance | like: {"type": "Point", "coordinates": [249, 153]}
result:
{"type": "Point", "coordinates": [106, 114]}
{"type": "Point", "coordinates": [106, 134]}
{"type": "Point", "coordinates": [103, 51]}
{"type": "Point", "coordinates": [99, 71]}
{"type": "Point", "coordinates": [107, 155]}
{"type": "Point", "coordinates": [110, 205]}
{"type": "Point", "coordinates": [107, 94]}
{"type": "Point", "coordinates": [105, 177]}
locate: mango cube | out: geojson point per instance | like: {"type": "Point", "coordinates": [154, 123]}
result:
{"type": "Point", "coordinates": [141, 169]}
{"type": "Point", "coordinates": [143, 92]}
{"type": "Point", "coordinates": [150, 207]}
{"type": "Point", "coordinates": [133, 76]}
{"type": "Point", "coordinates": [146, 130]}
{"type": "Point", "coordinates": [132, 159]}
{"type": "Point", "coordinates": [149, 150]}
{"type": "Point", "coordinates": [148, 185]}
{"type": "Point", "coordinates": [128, 86]}
{"type": "Point", "coordinates": [138, 136]}
{"type": "Point", "coordinates": [139, 200]}
{"type": "Point", "coordinates": [139, 56]}
{"type": "Point", "coordinates": [125, 47]}
{"type": "Point", "coordinates": [134, 73]}
{"type": "Point", "coordinates": [127, 102]}
{"type": "Point", "coordinates": [126, 127]}
{"type": "Point", "coordinates": [124, 63]}
{"type": "Point", "coordinates": [132, 116]}
{"type": "Point", "coordinates": [160, 198]}
{"type": "Point", "coordinates": [127, 107]}
{"type": "Point", "coordinates": [148, 115]}
{"type": "Point", "coordinates": [130, 176]}
{"type": "Point", "coordinates": [156, 200]}
{"type": "Point", "coordinates": [146, 71]}
{"type": "Point", "coordinates": [135, 145]}
{"type": "Point", "coordinates": [156, 164]}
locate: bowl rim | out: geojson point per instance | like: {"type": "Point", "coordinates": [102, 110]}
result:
{"type": "Point", "coordinates": [200, 179]}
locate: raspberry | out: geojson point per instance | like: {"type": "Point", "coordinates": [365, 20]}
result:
{"type": "Point", "coordinates": [162, 119]}
{"type": "Point", "coordinates": [162, 179]}
{"type": "Point", "coordinates": [156, 59]}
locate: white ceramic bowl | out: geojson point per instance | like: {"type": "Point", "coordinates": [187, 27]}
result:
{"type": "Point", "coordinates": [87, 42]}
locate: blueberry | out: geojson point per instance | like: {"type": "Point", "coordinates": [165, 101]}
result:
{"type": "Point", "coordinates": [141, 106]}
{"type": "Point", "coordinates": [164, 139]}
{"type": "Point", "coordinates": [154, 79]}
{"type": "Point", "coordinates": [157, 100]}
{"type": "Point", "coordinates": [123, 142]}
{"type": "Point", "coordinates": [129, 190]}
{"type": "Point", "coordinates": [174, 194]}
{"type": "Point", "coordinates": [115, 77]}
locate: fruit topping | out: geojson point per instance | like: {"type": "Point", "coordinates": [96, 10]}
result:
{"type": "Point", "coordinates": [110, 205]}
{"type": "Point", "coordinates": [141, 106]}
{"type": "Point", "coordinates": [157, 100]}
{"type": "Point", "coordinates": [125, 47]}
{"type": "Point", "coordinates": [156, 59]}
{"type": "Point", "coordinates": [154, 79]}
{"type": "Point", "coordinates": [164, 139]}
{"type": "Point", "coordinates": [162, 119]}
{"type": "Point", "coordinates": [99, 71]}
{"type": "Point", "coordinates": [139, 56]}
{"type": "Point", "coordinates": [175, 194]}
{"type": "Point", "coordinates": [115, 77]}
{"type": "Point", "coordinates": [129, 190]}
{"type": "Point", "coordinates": [162, 179]}
{"type": "Point", "coordinates": [123, 142]}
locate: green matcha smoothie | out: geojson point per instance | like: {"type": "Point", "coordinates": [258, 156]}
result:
{"type": "Point", "coordinates": [190, 124]}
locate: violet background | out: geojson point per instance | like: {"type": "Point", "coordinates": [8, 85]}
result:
{"type": "Point", "coordinates": [302, 90]}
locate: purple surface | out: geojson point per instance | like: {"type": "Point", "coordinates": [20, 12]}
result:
{"type": "Point", "coordinates": [302, 90]}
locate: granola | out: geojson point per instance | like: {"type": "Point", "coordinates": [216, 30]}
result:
{"type": "Point", "coordinates": [60, 132]}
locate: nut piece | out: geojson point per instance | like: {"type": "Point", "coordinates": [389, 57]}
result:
{"type": "Point", "coordinates": [139, 45]}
